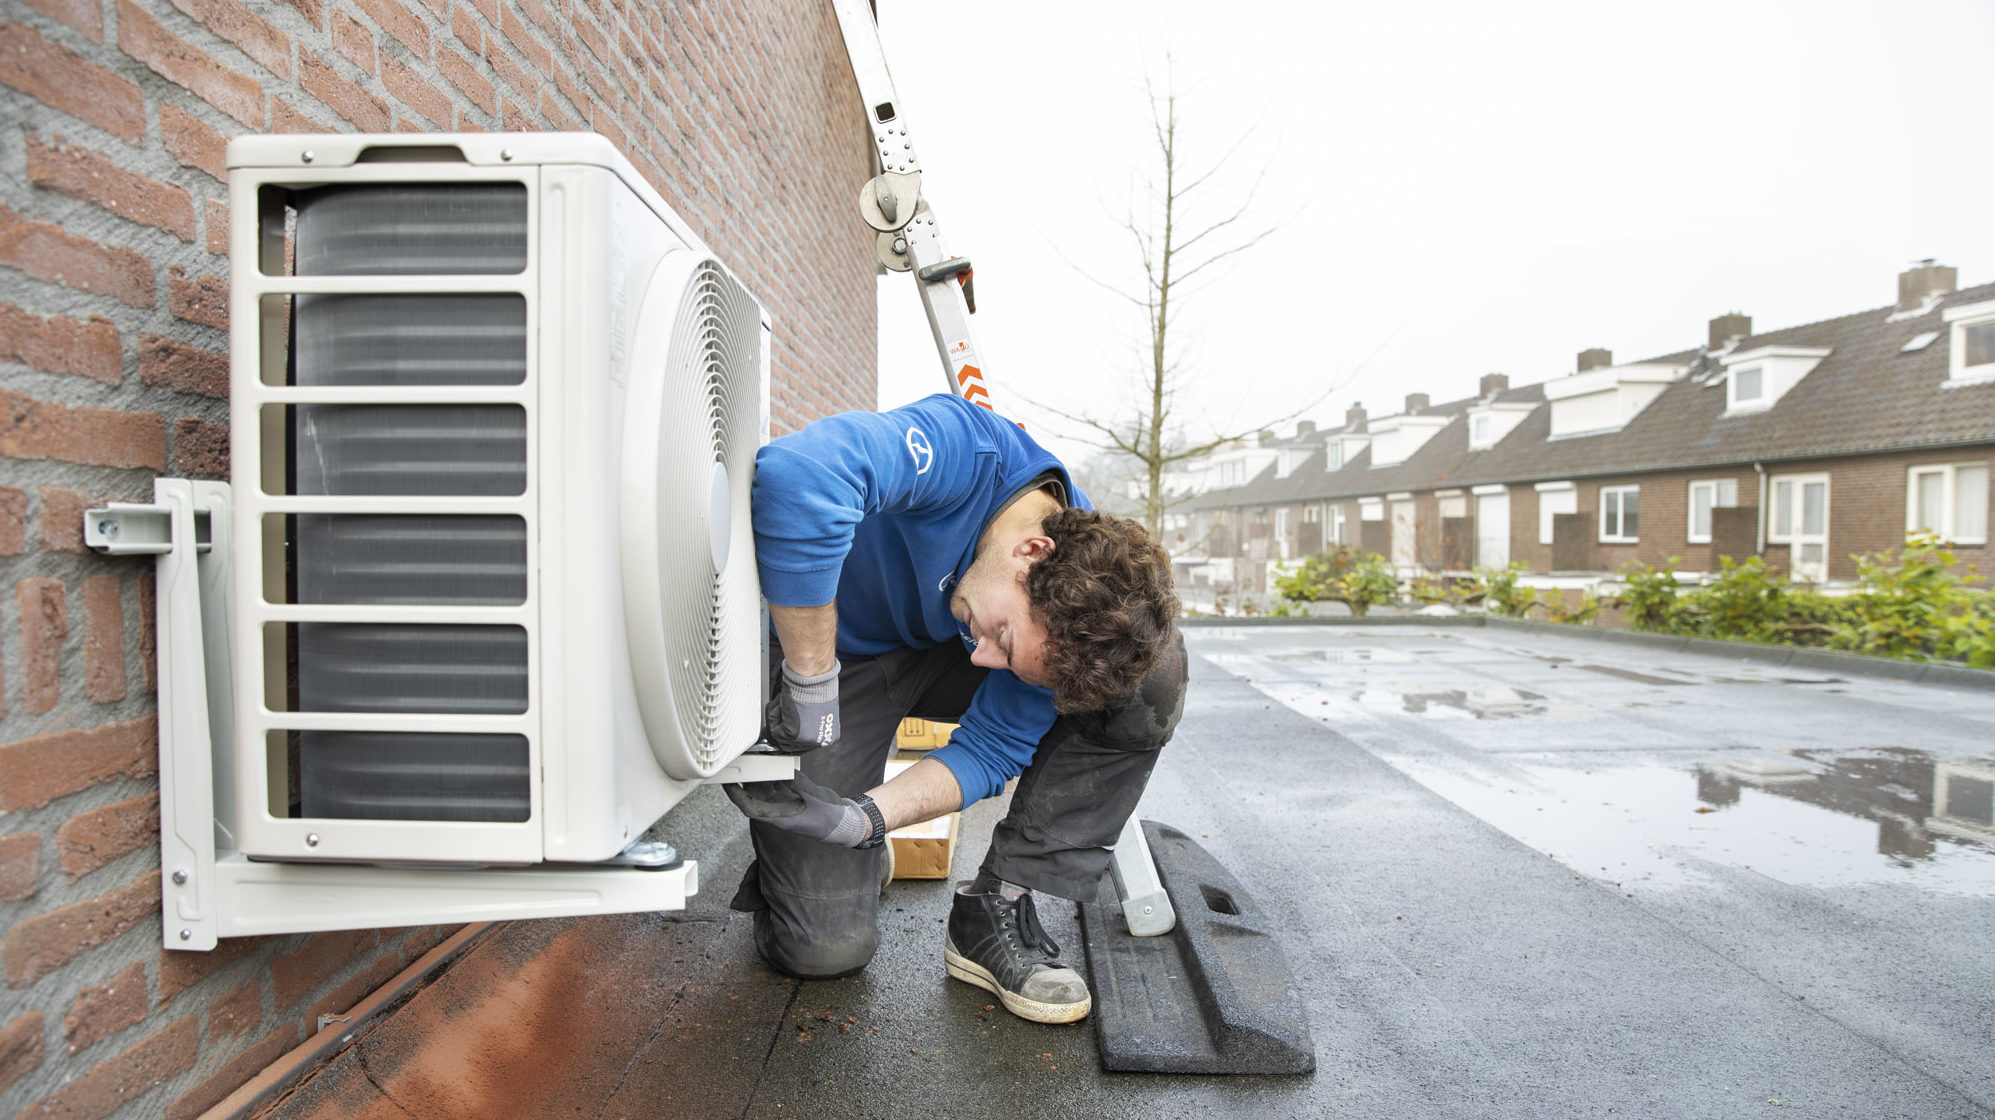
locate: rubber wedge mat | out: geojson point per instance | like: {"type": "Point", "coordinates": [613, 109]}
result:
{"type": "Point", "coordinates": [1214, 995]}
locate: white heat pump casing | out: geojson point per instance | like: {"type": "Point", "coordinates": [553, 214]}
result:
{"type": "Point", "coordinates": [599, 240]}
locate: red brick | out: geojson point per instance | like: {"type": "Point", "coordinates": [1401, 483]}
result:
{"type": "Point", "coordinates": [144, 39]}
{"type": "Point", "coordinates": [204, 300]}
{"type": "Point", "coordinates": [20, 1048]}
{"type": "Point", "coordinates": [233, 1074]}
{"type": "Point", "coordinates": [215, 216]}
{"type": "Point", "coordinates": [554, 26]}
{"type": "Point", "coordinates": [314, 11]}
{"type": "Point", "coordinates": [191, 142]}
{"type": "Point", "coordinates": [513, 118]}
{"type": "Point", "coordinates": [415, 91]}
{"type": "Point", "coordinates": [285, 117]}
{"type": "Point", "coordinates": [367, 112]}
{"type": "Point", "coordinates": [88, 841]}
{"type": "Point", "coordinates": [179, 971]}
{"type": "Point", "coordinates": [58, 77]}
{"type": "Point", "coordinates": [32, 429]}
{"type": "Point", "coordinates": [41, 944]}
{"type": "Point", "coordinates": [200, 449]}
{"type": "Point", "coordinates": [463, 73]}
{"type": "Point", "coordinates": [406, 26]}
{"type": "Point", "coordinates": [525, 83]}
{"type": "Point", "coordinates": [61, 519]}
{"type": "Point", "coordinates": [20, 866]}
{"type": "Point", "coordinates": [237, 1013]}
{"type": "Point", "coordinates": [103, 639]}
{"type": "Point", "coordinates": [521, 37]}
{"type": "Point", "coordinates": [86, 16]}
{"type": "Point", "coordinates": [102, 1010]}
{"type": "Point", "coordinates": [352, 39]}
{"type": "Point", "coordinates": [44, 624]}
{"type": "Point", "coordinates": [58, 345]}
{"type": "Point", "coordinates": [148, 645]}
{"type": "Point", "coordinates": [489, 9]}
{"type": "Point", "coordinates": [112, 1084]}
{"type": "Point", "coordinates": [270, 47]}
{"type": "Point", "coordinates": [464, 28]}
{"type": "Point", "coordinates": [294, 975]}
{"type": "Point", "coordinates": [13, 530]}
{"type": "Point", "coordinates": [83, 174]}
{"type": "Point", "coordinates": [343, 998]}
{"type": "Point", "coordinates": [37, 770]}
{"type": "Point", "coordinates": [172, 364]}
{"type": "Point", "coordinates": [558, 118]}
{"type": "Point", "coordinates": [47, 253]}
{"type": "Point", "coordinates": [606, 124]}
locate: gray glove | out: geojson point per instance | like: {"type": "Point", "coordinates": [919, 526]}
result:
{"type": "Point", "coordinates": [802, 806]}
{"type": "Point", "coordinates": [803, 711]}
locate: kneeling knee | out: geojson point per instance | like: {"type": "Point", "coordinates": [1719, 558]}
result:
{"type": "Point", "coordinates": [823, 957]}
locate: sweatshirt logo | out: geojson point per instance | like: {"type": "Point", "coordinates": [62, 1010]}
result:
{"type": "Point", "coordinates": [919, 447]}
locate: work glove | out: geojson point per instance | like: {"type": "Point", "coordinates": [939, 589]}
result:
{"type": "Point", "coordinates": [802, 806]}
{"type": "Point", "coordinates": [803, 711]}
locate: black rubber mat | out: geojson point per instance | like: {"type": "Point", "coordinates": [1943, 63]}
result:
{"type": "Point", "coordinates": [1212, 996]}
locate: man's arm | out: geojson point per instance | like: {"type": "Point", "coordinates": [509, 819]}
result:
{"type": "Point", "coordinates": [809, 636]}
{"type": "Point", "coordinates": [922, 792]}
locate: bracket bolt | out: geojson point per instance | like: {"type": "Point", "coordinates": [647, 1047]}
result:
{"type": "Point", "coordinates": [109, 528]}
{"type": "Point", "coordinates": [180, 877]}
{"type": "Point", "coordinates": [900, 244]}
{"type": "Point", "coordinates": [506, 154]}
{"type": "Point", "coordinates": [312, 840]}
{"type": "Point", "coordinates": [186, 935]}
{"type": "Point", "coordinates": [309, 155]}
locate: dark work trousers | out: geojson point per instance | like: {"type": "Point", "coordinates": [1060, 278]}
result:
{"type": "Point", "coordinates": [815, 903]}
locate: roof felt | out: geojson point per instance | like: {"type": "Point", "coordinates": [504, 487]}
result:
{"type": "Point", "coordinates": [1866, 396]}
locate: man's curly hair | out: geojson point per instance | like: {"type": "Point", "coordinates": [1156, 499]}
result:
{"type": "Point", "coordinates": [1106, 598]}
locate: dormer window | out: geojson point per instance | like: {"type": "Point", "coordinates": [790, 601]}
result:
{"type": "Point", "coordinates": [1973, 342]}
{"type": "Point", "coordinates": [1757, 379]}
{"type": "Point", "coordinates": [1336, 458]}
{"type": "Point", "coordinates": [1479, 431]}
{"type": "Point", "coordinates": [1748, 385]}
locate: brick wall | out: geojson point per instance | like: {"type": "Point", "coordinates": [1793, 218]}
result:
{"type": "Point", "coordinates": [113, 320]}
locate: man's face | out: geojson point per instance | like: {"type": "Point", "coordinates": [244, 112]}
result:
{"type": "Point", "coordinates": [996, 614]}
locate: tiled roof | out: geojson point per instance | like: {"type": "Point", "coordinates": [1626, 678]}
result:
{"type": "Point", "coordinates": [1866, 396]}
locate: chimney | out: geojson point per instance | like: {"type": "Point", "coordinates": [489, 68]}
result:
{"type": "Point", "coordinates": [1596, 358]}
{"type": "Point", "coordinates": [1494, 383]}
{"type": "Point", "coordinates": [1354, 417]}
{"type": "Point", "coordinates": [1305, 428]}
{"type": "Point", "coordinates": [1729, 328]}
{"type": "Point", "coordinates": [1925, 279]}
{"type": "Point", "coordinates": [1416, 402]}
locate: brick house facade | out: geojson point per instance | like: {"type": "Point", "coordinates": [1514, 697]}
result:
{"type": "Point", "coordinates": [113, 336]}
{"type": "Point", "coordinates": [1856, 430]}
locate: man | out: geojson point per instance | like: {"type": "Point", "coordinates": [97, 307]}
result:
{"type": "Point", "coordinates": [935, 561]}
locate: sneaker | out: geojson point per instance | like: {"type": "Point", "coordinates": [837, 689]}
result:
{"type": "Point", "coordinates": [998, 944]}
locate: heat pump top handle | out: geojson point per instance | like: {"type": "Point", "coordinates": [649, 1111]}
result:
{"type": "Point", "coordinates": [908, 239]}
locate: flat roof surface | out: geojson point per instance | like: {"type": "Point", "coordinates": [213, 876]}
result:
{"type": "Point", "coordinates": [1518, 873]}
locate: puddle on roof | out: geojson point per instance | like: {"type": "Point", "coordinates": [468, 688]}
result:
{"type": "Point", "coordinates": [1631, 675]}
{"type": "Point", "coordinates": [1376, 656]}
{"type": "Point", "coordinates": [1495, 702]}
{"type": "Point", "coordinates": [1813, 818]}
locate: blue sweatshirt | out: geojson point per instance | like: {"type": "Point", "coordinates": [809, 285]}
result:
{"type": "Point", "coordinates": [881, 511]}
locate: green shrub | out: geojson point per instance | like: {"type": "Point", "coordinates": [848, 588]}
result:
{"type": "Point", "coordinates": [1649, 596]}
{"type": "Point", "coordinates": [1501, 594]}
{"type": "Point", "coordinates": [1340, 574]}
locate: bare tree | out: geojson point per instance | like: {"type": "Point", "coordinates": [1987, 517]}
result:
{"type": "Point", "coordinates": [1178, 238]}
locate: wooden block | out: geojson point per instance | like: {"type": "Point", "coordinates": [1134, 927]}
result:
{"type": "Point", "coordinates": [923, 735]}
{"type": "Point", "coordinates": [925, 850]}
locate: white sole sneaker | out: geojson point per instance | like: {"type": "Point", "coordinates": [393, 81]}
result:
{"type": "Point", "coordinates": [969, 971]}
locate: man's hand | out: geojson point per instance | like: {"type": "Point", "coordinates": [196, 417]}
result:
{"type": "Point", "coordinates": [803, 711]}
{"type": "Point", "coordinates": [802, 806]}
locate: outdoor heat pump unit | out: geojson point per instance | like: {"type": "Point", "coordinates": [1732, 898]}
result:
{"type": "Point", "coordinates": [479, 603]}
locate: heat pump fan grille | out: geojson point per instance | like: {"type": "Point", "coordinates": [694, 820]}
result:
{"type": "Point", "coordinates": [689, 577]}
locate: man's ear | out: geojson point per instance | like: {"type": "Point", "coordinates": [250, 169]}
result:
{"type": "Point", "coordinates": [1033, 549]}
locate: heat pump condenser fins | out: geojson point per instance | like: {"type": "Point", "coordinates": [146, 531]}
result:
{"type": "Point", "coordinates": [402, 447]}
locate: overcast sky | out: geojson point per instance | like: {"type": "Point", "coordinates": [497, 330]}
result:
{"type": "Point", "coordinates": [1461, 188]}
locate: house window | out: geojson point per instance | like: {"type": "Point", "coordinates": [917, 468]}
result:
{"type": "Point", "coordinates": [1748, 385]}
{"type": "Point", "coordinates": [1705, 496]}
{"type": "Point", "coordinates": [1618, 509]}
{"type": "Point", "coordinates": [1312, 514]}
{"type": "Point", "coordinates": [1454, 505]}
{"type": "Point", "coordinates": [1973, 341]}
{"type": "Point", "coordinates": [1949, 501]}
{"type": "Point", "coordinates": [1337, 525]}
{"type": "Point", "coordinates": [1479, 431]}
{"type": "Point", "coordinates": [1336, 459]}
{"type": "Point", "coordinates": [1563, 498]}
{"type": "Point", "coordinates": [1800, 520]}
{"type": "Point", "coordinates": [1281, 533]}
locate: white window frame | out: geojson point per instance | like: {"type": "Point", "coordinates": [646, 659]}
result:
{"type": "Point", "coordinates": [1949, 500]}
{"type": "Point", "coordinates": [1337, 524]}
{"type": "Point", "coordinates": [1740, 400]}
{"type": "Point", "coordinates": [1716, 486]}
{"type": "Point", "coordinates": [1334, 456]}
{"type": "Point", "coordinates": [1371, 509]}
{"type": "Point", "coordinates": [1959, 321]}
{"type": "Point", "coordinates": [1796, 535]}
{"type": "Point", "coordinates": [1281, 533]}
{"type": "Point", "coordinates": [1620, 515]}
{"type": "Point", "coordinates": [1312, 514]}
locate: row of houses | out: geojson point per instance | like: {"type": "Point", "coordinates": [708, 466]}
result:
{"type": "Point", "coordinates": [1805, 445]}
